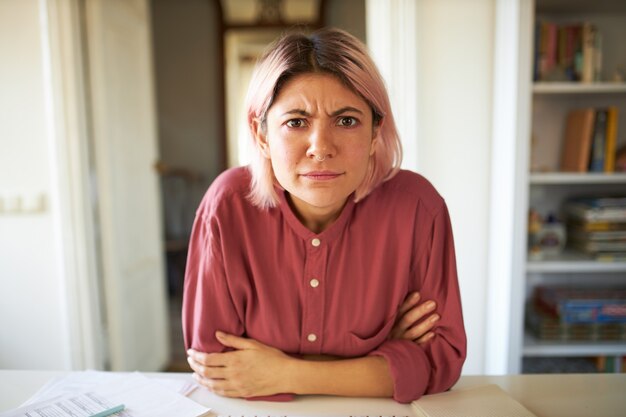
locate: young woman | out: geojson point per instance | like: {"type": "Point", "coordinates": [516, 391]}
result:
{"type": "Point", "coordinates": [305, 269]}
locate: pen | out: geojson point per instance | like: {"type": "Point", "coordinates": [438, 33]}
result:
{"type": "Point", "coordinates": [109, 411]}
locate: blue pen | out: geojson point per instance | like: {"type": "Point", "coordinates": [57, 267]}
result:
{"type": "Point", "coordinates": [109, 411]}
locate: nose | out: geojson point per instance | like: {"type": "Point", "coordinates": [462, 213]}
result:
{"type": "Point", "coordinates": [321, 144]}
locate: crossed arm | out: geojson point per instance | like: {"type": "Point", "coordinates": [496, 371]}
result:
{"type": "Point", "coordinates": [254, 369]}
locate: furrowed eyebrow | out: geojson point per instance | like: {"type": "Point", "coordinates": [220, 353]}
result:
{"type": "Point", "coordinates": [333, 114]}
{"type": "Point", "coordinates": [345, 110]}
{"type": "Point", "coordinates": [297, 111]}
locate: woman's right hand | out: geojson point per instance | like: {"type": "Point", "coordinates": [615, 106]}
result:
{"type": "Point", "coordinates": [415, 320]}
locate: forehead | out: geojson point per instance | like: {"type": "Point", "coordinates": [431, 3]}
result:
{"type": "Point", "coordinates": [315, 90]}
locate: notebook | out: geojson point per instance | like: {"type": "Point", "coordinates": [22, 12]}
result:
{"type": "Point", "coordinates": [483, 401]}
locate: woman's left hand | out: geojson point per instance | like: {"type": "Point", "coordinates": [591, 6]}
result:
{"type": "Point", "coordinates": [251, 370]}
{"type": "Point", "coordinates": [416, 320]}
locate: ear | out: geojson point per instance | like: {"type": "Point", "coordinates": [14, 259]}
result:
{"type": "Point", "coordinates": [260, 138]}
{"type": "Point", "coordinates": [375, 136]}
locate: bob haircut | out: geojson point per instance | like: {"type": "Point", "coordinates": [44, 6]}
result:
{"type": "Point", "coordinates": [326, 51]}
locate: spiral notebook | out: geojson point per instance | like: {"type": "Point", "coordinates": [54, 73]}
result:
{"type": "Point", "coordinates": [483, 401]}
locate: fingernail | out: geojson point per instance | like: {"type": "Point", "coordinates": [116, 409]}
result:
{"type": "Point", "coordinates": [430, 305]}
{"type": "Point", "coordinates": [190, 352]}
{"type": "Point", "coordinates": [219, 334]}
{"type": "Point", "coordinates": [415, 296]}
{"type": "Point", "coordinates": [434, 318]}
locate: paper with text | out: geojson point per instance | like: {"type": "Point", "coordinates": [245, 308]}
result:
{"type": "Point", "coordinates": [80, 405]}
{"type": "Point", "coordinates": [142, 397]}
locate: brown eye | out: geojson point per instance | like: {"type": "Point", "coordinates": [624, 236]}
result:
{"type": "Point", "coordinates": [347, 121]}
{"type": "Point", "coordinates": [295, 123]}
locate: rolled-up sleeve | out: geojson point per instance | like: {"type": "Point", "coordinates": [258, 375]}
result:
{"type": "Point", "coordinates": [435, 366]}
{"type": "Point", "coordinates": [207, 302]}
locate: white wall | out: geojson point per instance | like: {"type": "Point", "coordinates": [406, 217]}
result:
{"type": "Point", "coordinates": [455, 58]}
{"type": "Point", "coordinates": [445, 122]}
{"type": "Point", "coordinates": [32, 322]}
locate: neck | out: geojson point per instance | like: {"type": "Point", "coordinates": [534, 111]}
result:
{"type": "Point", "coordinates": [315, 219]}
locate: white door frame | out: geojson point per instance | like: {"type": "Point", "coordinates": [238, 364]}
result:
{"type": "Point", "coordinates": [125, 144]}
{"type": "Point", "coordinates": [509, 186]}
{"type": "Point", "coordinates": [73, 208]}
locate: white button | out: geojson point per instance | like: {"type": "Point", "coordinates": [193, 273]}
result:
{"type": "Point", "coordinates": [311, 337]}
{"type": "Point", "coordinates": [316, 242]}
{"type": "Point", "coordinates": [314, 283]}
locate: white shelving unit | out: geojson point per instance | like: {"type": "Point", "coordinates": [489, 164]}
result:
{"type": "Point", "coordinates": [538, 348]}
{"type": "Point", "coordinates": [566, 178]}
{"type": "Point", "coordinates": [542, 87]}
{"type": "Point", "coordinates": [546, 189]}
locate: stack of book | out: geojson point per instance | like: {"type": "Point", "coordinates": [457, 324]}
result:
{"type": "Point", "coordinates": [589, 143]}
{"type": "Point", "coordinates": [570, 52]}
{"type": "Point", "coordinates": [577, 313]}
{"type": "Point", "coordinates": [597, 227]}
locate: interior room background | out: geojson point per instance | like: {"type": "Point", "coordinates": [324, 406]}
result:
{"type": "Point", "coordinates": [116, 115]}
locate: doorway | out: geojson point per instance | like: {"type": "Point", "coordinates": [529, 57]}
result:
{"type": "Point", "coordinates": [202, 65]}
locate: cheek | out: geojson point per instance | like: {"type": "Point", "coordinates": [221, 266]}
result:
{"type": "Point", "coordinates": [285, 158]}
{"type": "Point", "coordinates": [358, 155]}
{"type": "Point", "coordinates": [284, 146]}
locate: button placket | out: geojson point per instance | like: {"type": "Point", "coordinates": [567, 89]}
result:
{"type": "Point", "coordinates": [313, 308]}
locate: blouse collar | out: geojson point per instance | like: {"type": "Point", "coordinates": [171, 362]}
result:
{"type": "Point", "coordinates": [330, 233]}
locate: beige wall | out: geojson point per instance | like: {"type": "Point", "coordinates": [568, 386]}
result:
{"type": "Point", "coordinates": [33, 332]}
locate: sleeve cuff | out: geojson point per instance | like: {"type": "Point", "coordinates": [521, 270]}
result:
{"type": "Point", "coordinates": [409, 366]}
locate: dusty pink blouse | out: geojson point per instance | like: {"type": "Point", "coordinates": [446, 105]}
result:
{"type": "Point", "coordinates": [262, 274]}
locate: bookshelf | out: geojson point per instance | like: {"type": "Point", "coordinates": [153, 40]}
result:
{"type": "Point", "coordinates": [545, 188]}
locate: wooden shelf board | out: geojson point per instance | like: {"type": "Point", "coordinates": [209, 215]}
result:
{"type": "Point", "coordinates": [578, 88]}
{"type": "Point", "coordinates": [557, 178]}
{"type": "Point", "coordinates": [582, 266]}
{"type": "Point", "coordinates": [534, 347]}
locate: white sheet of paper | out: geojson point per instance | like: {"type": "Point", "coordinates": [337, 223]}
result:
{"type": "Point", "coordinates": [77, 405]}
{"type": "Point", "coordinates": [87, 380]}
{"type": "Point", "coordinates": [141, 396]}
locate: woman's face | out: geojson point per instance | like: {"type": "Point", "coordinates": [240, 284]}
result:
{"type": "Point", "coordinates": [319, 138]}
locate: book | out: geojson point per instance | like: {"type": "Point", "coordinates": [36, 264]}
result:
{"type": "Point", "coordinates": [595, 236]}
{"type": "Point", "coordinates": [577, 140]}
{"type": "Point", "coordinates": [482, 401]}
{"type": "Point", "coordinates": [596, 159]}
{"type": "Point", "coordinates": [604, 246]}
{"type": "Point", "coordinates": [589, 32]}
{"type": "Point", "coordinates": [582, 304]}
{"type": "Point", "coordinates": [607, 209]}
{"type": "Point", "coordinates": [611, 139]}
{"type": "Point", "coordinates": [596, 226]}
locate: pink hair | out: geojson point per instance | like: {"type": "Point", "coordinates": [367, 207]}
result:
{"type": "Point", "coordinates": [329, 51]}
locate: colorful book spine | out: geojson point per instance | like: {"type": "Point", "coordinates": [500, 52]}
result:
{"type": "Point", "coordinates": [611, 139]}
{"type": "Point", "coordinates": [589, 47]}
{"type": "Point", "coordinates": [596, 162]}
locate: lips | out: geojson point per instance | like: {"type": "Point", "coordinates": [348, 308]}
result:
{"type": "Point", "coordinates": [321, 175]}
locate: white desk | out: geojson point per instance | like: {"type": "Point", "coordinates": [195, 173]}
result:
{"type": "Point", "coordinates": [600, 395]}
